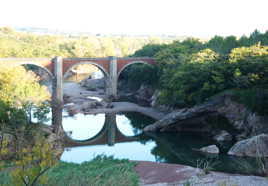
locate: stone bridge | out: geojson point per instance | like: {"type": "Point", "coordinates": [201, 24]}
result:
{"type": "Point", "coordinates": [58, 67]}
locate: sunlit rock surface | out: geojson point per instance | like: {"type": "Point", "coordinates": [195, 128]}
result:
{"type": "Point", "coordinates": [256, 146]}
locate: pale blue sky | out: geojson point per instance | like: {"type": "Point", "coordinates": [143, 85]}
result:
{"type": "Point", "coordinates": [200, 18]}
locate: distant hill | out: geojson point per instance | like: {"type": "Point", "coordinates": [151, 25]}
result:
{"type": "Point", "coordinates": [47, 31]}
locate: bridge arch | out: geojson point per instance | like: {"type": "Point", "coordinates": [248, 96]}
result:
{"type": "Point", "coordinates": [51, 76]}
{"type": "Point", "coordinates": [106, 74]}
{"type": "Point", "coordinates": [129, 64]}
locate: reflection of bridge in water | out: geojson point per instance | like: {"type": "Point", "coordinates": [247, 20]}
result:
{"type": "Point", "coordinates": [109, 134]}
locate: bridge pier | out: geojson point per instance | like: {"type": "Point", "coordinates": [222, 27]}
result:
{"type": "Point", "coordinates": [113, 77]}
{"type": "Point", "coordinates": [111, 128]}
{"type": "Point", "coordinates": [57, 95]}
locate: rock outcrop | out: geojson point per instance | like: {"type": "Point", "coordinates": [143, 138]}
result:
{"type": "Point", "coordinates": [93, 84]}
{"type": "Point", "coordinates": [212, 149]}
{"type": "Point", "coordinates": [85, 106]}
{"type": "Point", "coordinates": [245, 122]}
{"type": "Point", "coordinates": [144, 95]}
{"type": "Point", "coordinates": [178, 117]}
{"type": "Point", "coordinates": [256, 146]}
{"type": "Point", "coordinates": [223, 136]}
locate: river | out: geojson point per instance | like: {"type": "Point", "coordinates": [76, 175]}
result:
{"type": "Point", "coordinates": [156, 147]}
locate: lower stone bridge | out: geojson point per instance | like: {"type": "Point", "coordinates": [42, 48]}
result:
{"type": "Point", "coordinates": [57, 67]}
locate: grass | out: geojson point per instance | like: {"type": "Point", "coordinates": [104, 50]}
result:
{"type": "Point", "coordinates": [101, 171]}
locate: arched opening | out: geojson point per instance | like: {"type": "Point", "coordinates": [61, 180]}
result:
{"type": "Point", "coordinates": [86, 80]}
{"type": "Point", "coordinates": [124, 125]}
{"type": "Point", "coordinates": [136, 82]}
{"type": "Point", "coordinates": [84, 88]}
{"type": "Point", "coordinates": [83, 127]}
{"type": "Point", "coordinates": [44, 75]}
{"type": "Point", "coordinates": [41, 113]}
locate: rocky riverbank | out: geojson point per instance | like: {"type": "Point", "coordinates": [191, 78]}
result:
{"type": "Point", "coordinates": [164, 174]}
{"type": "Point", "coordinates": [249, 130]}
{"type": "Point", "coordinates": [242, 123]}
{"type": "Point", "coordinates": [80, 100]}
{"type": "Point", "coordinates": [92, 102]}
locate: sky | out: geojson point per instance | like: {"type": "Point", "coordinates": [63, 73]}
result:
{"type": "Point", "coordinates": [197, 18]}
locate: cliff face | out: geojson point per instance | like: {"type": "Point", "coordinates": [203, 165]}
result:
{"type": "Point", "coordinates": [248, 123]}
{"type": "Point", "coordinates": [245, 122]}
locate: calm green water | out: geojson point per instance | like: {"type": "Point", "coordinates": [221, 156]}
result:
{"type": "Point", "coordinates": [157, 147]}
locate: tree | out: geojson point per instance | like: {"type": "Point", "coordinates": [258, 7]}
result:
{"type": "Point", "coordinates": [17, 101]}
{"type": "Point", "coordinates": [33, 162]}
{"type": "Point", "coordinates": [28, 92]}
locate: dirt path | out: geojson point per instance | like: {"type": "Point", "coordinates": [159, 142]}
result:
{"type": "Point", "coordinates": [164, 174]}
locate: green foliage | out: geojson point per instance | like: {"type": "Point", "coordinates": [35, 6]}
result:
{"type": "Point", "coordinates": [102, 171]}
{"type": "Point", "coordinates": [251, 66]}
{"type": "Point", "coordinates": [190, 71]}
{"type": "Point", "coordinates": [148, 50]}
{"type": "Point", "coordinates": [205, 56]}
{"type": "Point", "coordinates": [138, 74]}
{"type": "Point", "coordinates": [194, 82]}
{"type": "Point", "coordinates": [26, 92]}
{"type": "Point", "coordinates": [222, 45]}
{"type": "Point", "coordinates": [255, 99]}
{"type": "Point", "coordinates": [33, 161]}
{"type": "Point", "coordinates": [16, 103]}
{"type": "Point", "coordinates": [4, 151]}
{"type": "Point", "coordinates": [20, 44]}
{"type": "Point", "coordinates": [20, 99]}
{"type": "Point", "coordinates": [177, 53]}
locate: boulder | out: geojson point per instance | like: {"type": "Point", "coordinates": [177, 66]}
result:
{"type": "Point", "coordinates": [144, 95]}
{"type": "Point", "coordinates": [93, 84]}
{"type": "Point", "coordinates": [223, 136]}
{"type": "Point", "coordinates": [256, 146]}
{"type": "Point", "coordinates": [97, 75]}
{"type": "Point", "coordinates": [212, 149]}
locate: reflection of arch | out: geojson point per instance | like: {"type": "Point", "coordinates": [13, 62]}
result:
{"type": "Point", "coordinates": [123, 121]}
{"type": "Point", "coordinates": [40, 66]}
{"type": "Point", "coordinates": [109, 134]}
{"type": "Point", "coordinates": [132, 63]}
{"type": "Point", "coordinates": [106, 74]}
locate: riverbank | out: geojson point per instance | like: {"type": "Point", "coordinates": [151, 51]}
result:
{"type": "Point", "coordinates": [117, 107]}
{"type": "Point", "coordinates": [164, 174]}
{"type": "Point", "coordinates": [84, 101]}
{"type": "Point", "coordinates": [103, 171]}
{"type": "Point", "coordinates": [109, 171]}
{"type": "Point", "coordinates": [151, 173]}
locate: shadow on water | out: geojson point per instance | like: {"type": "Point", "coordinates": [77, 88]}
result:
{"type": "Point", "coordinates": [158, 147]}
